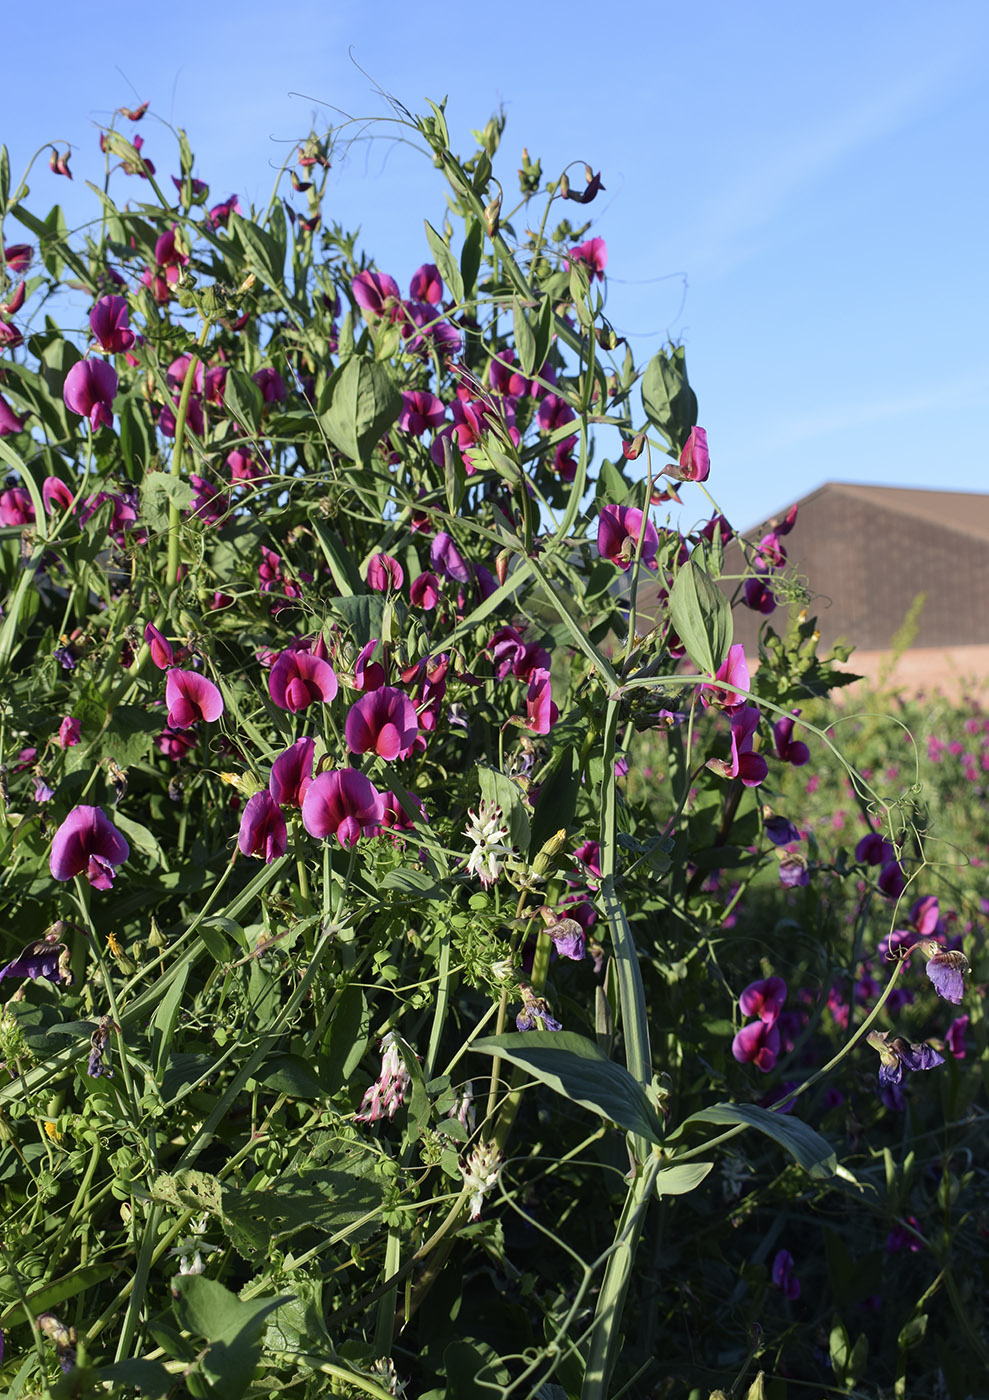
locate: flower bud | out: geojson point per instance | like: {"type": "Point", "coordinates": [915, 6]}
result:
{"type": "Point", "coordinates": [545, 858]}
{"type": "Point", "coordinates": [492, 215]}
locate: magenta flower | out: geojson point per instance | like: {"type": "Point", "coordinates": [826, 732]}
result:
{"type": "Point", "coordinates": [733, 671]}
{"type": "Point", "coordinates": [424, 591]}
{"type": "Point", "coordinates": [421, 411]}
{"type": "Point", "coordinates": [56, 495]}
{"type": "Point", "coordinates": [874, 850]}
{"type": "Point", "coordinates": [757, 1043]}
{"type": "Point", "coordinates": [190, 698]}
{"type": "Point", "coordinates": [109, 321]}
{"type": "Point", "coordinates": [271, 384]}
{"type": "Point", "coordinates": [541, 712]}
{"type": "Point", "coordinates": [368, 674]}
{"type": "Point", "coordinates": [593, 255]}
{"type": "Point", "coordinates": [447, 559]}
{"type": "Point", "coordinates": [69, 732]}
{"type": "Point", "coordinates": [161, 648]}
{"type": "Point", "coordinates": [384, 572]}
{"type": "Point", "coordinates": [219, 215]}
{"type": "Point", "coordinates": [298, 679]}
{"type": "Point", "coordinates": [88, 843]}
{"type": "Point", "coordinates": [426, 284]}
{"type": "Point", "coordinates": [16, 507]}
{"type": "Point", "coordinates": [790, 750]}
{"type": "Point", "coordinates": [783, 1276]}
{"type": "Point", "coordinates": [750, 767]}
{"type": "Point", "coordinates": [758, 596]}
{"type": "Point", "coordinates": [342, 803]}
{"type": "Point", "coordinates": [383, 722]}
{"type": "Point", "coordinates": [9, 421]}
{"type": "Point", "coordinates": [262, 828]}
{"type": "Point", "coordinates": [764, 999]}
{"type": "Point", "coordinates": [89, 390]}
{"type": "Point", "coordinates": [619, 528]}
{"type": "Point", "coordinates": [291, 773]}
{"type": "Point", "coordinates": [695, 460]}
{"type": "Point", "coordinates": [954, 1037]}
{"type": "Point", "coordinates": [373, 291]}
{"type": "Point", "coordinates": [17, 256]}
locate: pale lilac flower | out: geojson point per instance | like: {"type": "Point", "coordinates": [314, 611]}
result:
{"type": "Point", "coordinates": [946, 968]}
{"type": "Point", "coordinates": [387, 1094]}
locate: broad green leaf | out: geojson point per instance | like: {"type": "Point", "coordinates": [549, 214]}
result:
{"type": "Point", "coordinates": [4, 179]}
{"type": "Point", "coordinates": [813, 1152]}
{"type": "Point", "coordinates": [577, 1069]}
{"type": "Point", "coordinates": [242, 399]}
{"type": "Point", "coordinates": [667, 398]}
{"type": "Point", "coordinates": [681, 1177]}
{"type": "Point", "coordinates": [261, 249]}
{"type": "Point", "coordinates": [232, 1327]}
{"type": "Point", "coordinates": [418, 882]}
{"type": "Point", "coordinates": [291, 1075]}
{"type": "Point", "coordinates": [129, 734]}
{"type": "Point", "coordinates": [359, 404]}
{"type": "Point", "coordinates": [445, 262]}
{"type": "Point", "coordinates": [149, 1377]}
{"type": "Point", "coordinates": [158, 491]}
{"type": "Point", "coordinates": [702, 617]}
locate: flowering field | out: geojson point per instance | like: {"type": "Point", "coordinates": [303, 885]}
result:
{"type": "Point", "coordinates": [436, 963]}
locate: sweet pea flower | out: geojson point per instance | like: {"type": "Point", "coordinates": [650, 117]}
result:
{"type": "Point", "coordinates": [190, 698]}
{"type": "Point", "coordinates": [69, 732]}
{"type": "Point", "coordinates": [87, 843]}
{"type": "Point", "coordinates": [758, 596]}
{"type": "Point", "coordinates": [368, 674]}
{"type": "Point", "coordinates": [733, 671]}
{"type": "Point", "coordinates": [298, 679]}
{"type": "Point", "coordinates": [535, 1011]}
{"type": "Point", "coordinates": [383, 722]}
{"type": "Point", "coordinates": [46, 958]}
{"type": "Point", "coordinates": [426, 284]}
{"type": "Point", "coordinates": [424, 591]}
{"type": "Point", "coordinates": [750, 767]}
{"type": "Point", "coordinates": [271, 384]}
{"type": "Point", "coordinates": [541, 712]}
{"type": "Point", "coordinates": [109, 321]}
{"type": "Point", "coordinates": [695, 460]}
{"type": "Point", "coordinates": [568, 939]}
{"type": "Point", "coordinates": [780, 830]}
{"type": "Point", "coordinates": [161, 648]}
{"type": "Point", "coordinates": [790, 750]}
{"type": "Point", "coordinates": [342, 803]}
{"type": "Point", "coordinates": [874, 850]}
{"type": "Point", "coordinates": [421, 411]}
{"type": "Point", "coordinates": [387, 1094]}
{"type": "Point", "coordinates": [9, 421]}
{"type": "Point", "coordinates": [17, 256]}
{"type": "Point", "coordinates": [783, 1276]}
{"type": "Point", "coordinates": [262, 828]}
{"type": "Point", "coordinates": [373, 291]}
{"type": "Point", "coordinates": [291, 773]}
{"type": "Point", "coordinates": [764, 999]}
{"type": "Point", "coordinates": [954, 1037]}
{"type": "Point", "coordinates": [898, 1054]}
{"type": "Point", "coordinates": [16, 507]}
{"type": "Point", "coordinates": [619, 528]}
{"type": "Point", "coordinates": [593, 255]}
{"type": "Point", "coordinates": [757, 1043]}
{"type": "Point", "coordinates": [56, 495]}
{"type": "Point", "coordinates": [89, 390]}
{"type": "Point", "coordinates": [946, 968]}
{"type": "Point", "coordinates": [384, 572]}
{"type": "Point", "coordinates": [447, 559]}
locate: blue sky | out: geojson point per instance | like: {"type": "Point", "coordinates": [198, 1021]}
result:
{"type": "Point", "coordinates": [797, 191]}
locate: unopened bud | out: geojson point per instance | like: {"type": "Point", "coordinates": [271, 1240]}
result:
{"type": "Point", "coordinates": [545, 858]}
{"type": "Point", "coordinates": [564, 187]}
{"type": "Point", "coordinates": [156, 938]}
{"type": "Point", "coordinates": [632, 448]}
{"type": "Point", "coordinates": [492, 215]}
{"type": "Point", "coordinates": [501, 565]}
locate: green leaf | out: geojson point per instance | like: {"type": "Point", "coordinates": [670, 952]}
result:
{"type": "Point", "coordinates": [577, 1069]}
{"type": "Point", "coordinates": [525, 340]}
{"type": "Point", "coordinates": [158, 491]}
{"type": "Point", "coordinates": [291, 1075]}
{"type": "Point", "coordinates": [496, 788]}
{"type": "Point", "coordinates": [813, 1152]}
{"type": "Point", "coordinates": [667, 398]}
{"type": "Point", "coordinates": [232, 1326]}
{"type": "Point", "coordinates": [558, 794]}
{"type": "Point", "coordinates": [348, 1038]}
{"type": "Point", "coordinates": [470, 256]}
{"type": "Point", "coordinates": [445, 262]}
{"type": "Point", "coordinates": [702, 617]}
{"type": "Point", "coordinates": [417, 882]}
{"type": "Point", "coordinates": [129, 734]}
{"type": "Point", "coordinates": [4, 179]}
{"type": "Point", "coordinates": [149, 1377]}
{"type": "Point", "coordinates": [682, 1177]}
{"type": "Point", "coordinates": [359, 404]}
{"type": "Point", "coordinates": [261, 249]}
{"type": "Point", "coordinates": [242, 399]}
{"type": "Point", "coordinates": [140, 838]}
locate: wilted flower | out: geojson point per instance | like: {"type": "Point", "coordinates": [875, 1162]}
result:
{"type": "Point", "coordinates": [69, 732]}
{"type": "Point", "coordinates": [946, 968]}
{"type": "Point", "coordinates": [63, 1337]}
{"type": "Point", "coordinates": [190, 698]}
{"type": "Point", "coordinates": [568, 938]}
{"type": "Point", "coordinates": [387, 1094]}
{"type": "Point", "coordinates": [898, 1054]}
{"type": "Point", "coordinates": [88, 843]}
{"type": "Point", "coordinates": [535, 1011]}
{"type": "Point", "coordinates": [48, 958]}
{"type": "Point", "coordinates": [97, 1049]}
{"type": "Point", "coordinates": [480, 1173]}
{"type": "Point", "coordinates": [487, 830]}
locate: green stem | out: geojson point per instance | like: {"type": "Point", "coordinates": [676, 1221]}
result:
{"type": "Point", "coordinates": [181, 413]}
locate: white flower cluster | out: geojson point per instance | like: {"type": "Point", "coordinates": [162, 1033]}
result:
{"type": "Point", "coordinates": [480, 1174]}
{"type": "Point", "coordinates": [487, 830]}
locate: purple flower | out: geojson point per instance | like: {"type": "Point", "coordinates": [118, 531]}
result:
{"type": "Point", "coordinates": [161, 648]}
{"type": "Point", "coordinates": [619, 528]}
{"type": "Point", "coordinates": [373, 291]}
{"type": "Point", "coordinates": [541, 710]}
{"type": "Point", "coordinates": [874, 850]}
{"type": "Point", "coordinates": [568, 939]}
{"type": "Point", "coordinates": [9, 421]}
{"type": "Point", "coordinates": [946, 968]}
{"type": "Point", "coordinates": [291, 773]}
{"type": "Point", "coordinates": [426, 284]}
{"type": "Point", "coordinates": [342, 803]}
{"type": "Point", "coordinates": [384, 573]}
{"type": "Point", "coordinates": [764, 999]}
{"type": "Point", "coordinates": [298, 679]}
{"type": "Point", "coordinates": [750, 767]}
{"type": "Point", "coordinates": [271, 384]}
{"type": "Point", "coordinates": [46, 958]}
{"type": "Point", "coordinates": [89, 390]}
{"type": "Point", "coordinates": [783, 1276]}
{"type": "Point", "coordinates": [446, 558]}
{"type": "Point", "coordinates": [695, 459]}
{"type": "Point", "coordinates": [733, 671]}
{"type": "Point", "coordinates": [262, 828]}
{"type": "Point", "coordinates": [790, 750]}
{"type": "Point", "coordinates": [69, 732]}
{"type": "Point", "coordinates": [898, 1054]}
{"type": "Point", "coordinates": [421, 411]}
{"type": "Point", "coordinates": [383, 721]}
{"type": "Point", "coordinates": [88, 843]}
{"type": "Point", "coordinates": [758, 596]}
{"type": "Point", "coordinates": [779, 830]}
{"type": "Point", "coordinates": [535, 1010]}
{"type": "Point", "coordinates": [109, 321]}
{"type": "Point", "coordinates": [954, 1037]}
{"type": "Point", "coordinates": [190, 698]}
{"type": "Point", "coordinates": [16, 507]}
{"type": "Point", "coordinates": [892, 881]}
{"type": "Point", "coordinates": [757, 1043]}
{"type": "Point", "coordinates": [793, 870]}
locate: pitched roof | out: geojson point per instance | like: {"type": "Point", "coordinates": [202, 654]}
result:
{"type": "Point", "coordinates": [964, 511]}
